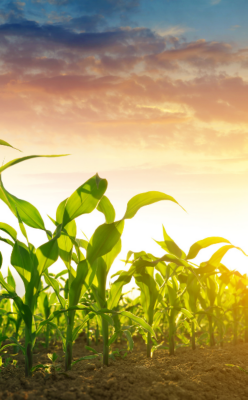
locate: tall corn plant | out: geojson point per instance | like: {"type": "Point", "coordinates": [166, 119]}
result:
{"type": "Point", "coordinates": [30, 263]}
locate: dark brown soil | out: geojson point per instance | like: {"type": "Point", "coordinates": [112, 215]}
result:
{"type": "Point", "coordinates": [189, 375]}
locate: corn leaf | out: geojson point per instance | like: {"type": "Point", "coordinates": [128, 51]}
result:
{"type": "Point", "coordinates": [202, 244]}
{"type": "Point", "coordinates": [170, 246]}
{"type": "Point", "coordinates": [28, 213]}
{"type": "Point", "coordinates": [138, 321]}
{"type": "Point", "coordinates": [107, 209]}
{"type": "Point", "coordinates": [23, 308]}
{"type": "Point", "coordinates": [3, 143]}
{"type": "Point", "coordinates": [19, 160]}
{"type": "Point", "coordinates": [9, 230]}
{"type": "Point", "coordinates": [144, 199]}
{"type": "Point", "coordinates": [85, 199]}
{"type": "Point", "coordinates": [104, 239]}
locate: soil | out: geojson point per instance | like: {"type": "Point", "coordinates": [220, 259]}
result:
{"type": "Point", "coordinates": [202, 374]}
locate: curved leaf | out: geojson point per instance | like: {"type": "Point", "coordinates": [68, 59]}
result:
{"type": "Point", "coordinates": [219, 254]}
{"type": "Point", "coordinates": [23, 308]}
{"type": "Point", "coordinates": [3, 143]}
{"type": "Point", "coordinates": [138, 321]}
{"type": "Point", "coordinates": [104, 239]}
{"type": "Point", "coordinates": [170, 246]}
{"type": "Point", "coordinates": [18, 160]}
{"type": "Point", "coordinates": [9, 230]}
{"type": "Point", "coordinates": [106, 207]}
{"type": "Point", "coordinates": [202, 244]}
{"type": "Point", "coordinates": [144, 199]}
{"type": "Point", "coordinates": [28, 213]}
{"type": "Point", "coordinates": [85, 199]}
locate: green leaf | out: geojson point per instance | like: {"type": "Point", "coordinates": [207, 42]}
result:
{"type": "Point", "coordinates": [219, 254]}
{"type": "Point", "coordinates": [61, 273]}
{"type": "Point", "coordinates": [172, 295]}
{"type": "Point", "coordinates": [80, 327]}
{"type": "Point", "coordinates": [55, 285]}
{"type": "Point", "coordinates": [129, 338]}
{"type": "Point", "coordinates": [85, 199]}
{"type": "Point", "coordinates": [21, 225]}
{"type": "Point", "coordinates": [23, 308]}
{"type": "Point", "coordinates": [10, 280]}
{"type": "Point", "coordinates": [116, 288]}
{"type": "Point", "coordinates": [104, 239]}
{"type": "Point", "coordinates": [138, 321]}
{"type": "Point", "coordinates": [28, 213]}
{"type": "Point", "coordinates": [144, 199]}
{"type": "Point", "coordinates": [1, 260]}
{"type": "Point", "coordinates": [107, 209]}
{"type": "Point", "coordinates": [47, 254]}
{"type": "Point", "coordinates": [104, 264]}
{"type": "Point", "coordinates": [18, 160]}
{"type": "Point", "coordinates": [60, 212]}
{"type": "Point", "coordinates": [3, 143]}
{"type": "Point", "coordinates": [202, 244]}
{"type": "Point", "coordinates": [187, 313]}
{"type": "Point", "coordinates": [7, 241]}
{"type": "Point", "coordinates": [170, 246]}
{"type": "Point", "coordinates": [9, 230]}
{"type": "Point", "coordinates": [149, 294]}
{"type": "Point", "coordinates": [81, 283]}
{"type": "Point", "coordinates": [22, 262]}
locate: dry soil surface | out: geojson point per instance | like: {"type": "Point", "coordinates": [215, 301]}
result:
{"type": "Point", "coordinates": [189, 375]}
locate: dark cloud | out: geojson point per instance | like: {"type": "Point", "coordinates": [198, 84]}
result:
{"type": "Point", "coordinates": [88, 23]}
{"type": "Point", "coordinates": [104, 7]}
{"type": "Point", "coordinates": [12, 11]}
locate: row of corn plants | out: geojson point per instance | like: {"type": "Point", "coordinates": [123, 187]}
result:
{"type": "Point", "coordinates": [180, 303]}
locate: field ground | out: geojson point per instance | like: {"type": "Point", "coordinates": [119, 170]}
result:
{"type": "Point", "coordinates": [189, 375]}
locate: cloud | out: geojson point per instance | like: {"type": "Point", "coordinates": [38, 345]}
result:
{"type": "Point", "coordinates": [234, 27]}
{"type": "Point", "coordinates": [104, 7]}
{"type": "Point", "coordinates": [130, 87]}
{"type": "Point", "coordinates": [12, 11]}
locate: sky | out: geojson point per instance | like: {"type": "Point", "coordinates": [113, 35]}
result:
{"type": "Point", "coordinates": [150, 94]}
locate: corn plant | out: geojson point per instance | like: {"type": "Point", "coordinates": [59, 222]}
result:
{"type": "Point", "coordinates": [30, 263]}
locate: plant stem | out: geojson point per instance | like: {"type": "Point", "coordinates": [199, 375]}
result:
{"type": "Point", "coordinates": [221, 334]}
{"type": "Point", "coordinates": [193, 335]}
{"type": "Point", "coordinates": [47, 336]}
{"type": "Point", "coordinates": [97, 334]}
{"type": "Point", "coordinates": [28, 354]}
{"type": "Point", "coordinates": [246, 325]}
{"type": "Point", "coordinates": [211, 331]}
{"type": "Point", "coordinates": [149, 345]}
{"type": "Point", "coordinates": [68, 350]}
{"type": "Point", "coordinates": [105, 341]}
{"type": "Point", "coordinates": [171, 337]}
{"type": "Point", "coordinates": [88, 333]}
{"type": "Point", "coordinates": [235, 325]}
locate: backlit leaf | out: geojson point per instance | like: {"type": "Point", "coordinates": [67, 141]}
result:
{"type": "Point", "coordinates": [144, 199]}
{"type": "Point", "coordinates": [85, 199]}
{"type": "Point", "coordinates": [202, 244]}
{"type": "Point", "coordinates": [3, 143]}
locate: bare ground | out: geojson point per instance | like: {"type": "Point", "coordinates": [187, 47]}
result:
{"type": "Point", "coordinates": [189, 375]}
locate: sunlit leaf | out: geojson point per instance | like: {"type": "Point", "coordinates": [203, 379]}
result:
{"type": "Point", "coordinates": [202, 244]}
{"type": "Point", "coordinates": [85, 199]}
{"type": "Point", "coordinates": [144, 199]}
{"type": "Point", "coordinates": [107, 209]}
{"type": "Point", "coordinates": [170, 246]}
{"type": "Point", "coordinates": [3, 143]}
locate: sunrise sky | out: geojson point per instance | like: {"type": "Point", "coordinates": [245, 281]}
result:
{"type": "Point", "coordinates": [150, 94]}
